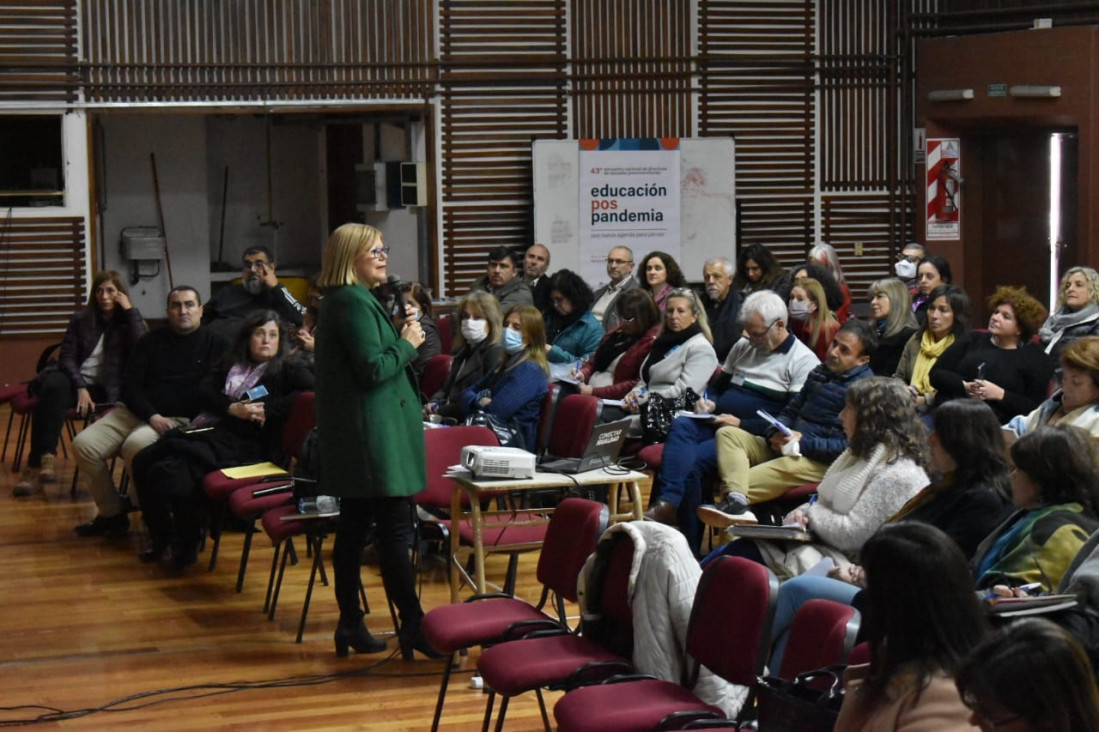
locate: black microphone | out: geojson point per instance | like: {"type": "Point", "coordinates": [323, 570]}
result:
{"type": "Point", "coordinates": [395, 286]}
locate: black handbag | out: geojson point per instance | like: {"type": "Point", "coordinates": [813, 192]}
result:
{"type": "Point", "coordinates": [658, 413]}
{"type": "Point", "coordinates": [506, 432]}
{"type": "Point", "coordinates": [800, 705]}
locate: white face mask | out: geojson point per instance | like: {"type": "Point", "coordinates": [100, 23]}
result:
{"type": "Point", "coordinates": [799, 309]}
{"type": "Point", "coordinates": [475, 330]}
{"type": "Point", "coordinates": [905, 270]}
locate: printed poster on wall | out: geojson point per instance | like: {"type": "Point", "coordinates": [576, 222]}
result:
{"type": "Point", "coordinates": [944, 200]}
{"type": "Point", "coordinates": [629, 196]}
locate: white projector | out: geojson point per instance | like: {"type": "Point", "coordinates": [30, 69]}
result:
{"type": "Point", "coordinates": [484, 461]}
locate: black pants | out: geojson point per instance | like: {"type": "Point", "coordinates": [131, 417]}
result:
{"type": "Point", "coordinates": [56, 396]}
{"type": "Point", "coordinates": [393, 518]}
{"type": "Point", "coordinates": [167, 477]}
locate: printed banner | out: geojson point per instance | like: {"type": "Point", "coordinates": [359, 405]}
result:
{"type": "Point", "coordinates": [629, 196]}
{"type": "Point", "coordinates": [944, 200]}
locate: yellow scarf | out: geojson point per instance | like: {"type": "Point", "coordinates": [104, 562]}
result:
{"type": "Point", "coordinates": [929, 354]}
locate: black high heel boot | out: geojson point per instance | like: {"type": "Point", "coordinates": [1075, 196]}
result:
{"type": "Point", "coordinates": [353, 633]}
{"type": "Point", "coordinates": [414, 640]}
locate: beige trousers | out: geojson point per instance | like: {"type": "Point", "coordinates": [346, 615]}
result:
{"type": "Point", "coordinates": [748, 465]}
{"type": "Point", "coordinates": [119, 432]}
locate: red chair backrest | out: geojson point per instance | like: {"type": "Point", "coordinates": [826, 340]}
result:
{"type": "Point", "coordinates": [573, 425]}
{"type": "Point", "coordinates": [302, 419]}
{"type": "Point", "coordinates": [446, 332]}
{"type": "Point", "coordinates": [574, 529]}
{"type": "Point", "coordinates": [822, 634]}
{"type": "Point", "coordinates": [730, 628]}
{"type": "Point", "coordinates": [545, 420]}
{"type": "Point", "coordinates": [436, 370]}
{"type": "Point", "coordinates": [859, 655]}
{"type": "Point", "coordinates": [444, 448]}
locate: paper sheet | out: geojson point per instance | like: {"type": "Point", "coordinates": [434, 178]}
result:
{"type": "Point", "coordinates": [255, 470]}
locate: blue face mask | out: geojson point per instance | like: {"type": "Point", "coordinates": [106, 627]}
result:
{"type": "Point", "coordinates": [513, 341]}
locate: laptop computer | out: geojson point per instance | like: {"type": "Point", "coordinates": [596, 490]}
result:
{"type": "Point", "coordinates": [602, 450]}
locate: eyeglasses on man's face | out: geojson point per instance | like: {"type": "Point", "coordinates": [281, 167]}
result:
{"type": "Point", "coordinates": [259, 265]}
{"type": "Point", "coordinates": [759, 336]}
{"type": "Point", "coordinates": [618, 262]}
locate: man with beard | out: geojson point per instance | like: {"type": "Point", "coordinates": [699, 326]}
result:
{"type": "Point", "coordinates": [722, 304]}
{"type": "Point", "coordinates": [502, 280]}
{"type": "Point", "coordinates": [259, 289]}
{"type": "Point", "coordinates": [764, 370]}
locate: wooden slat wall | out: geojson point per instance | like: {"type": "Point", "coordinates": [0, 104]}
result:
{"type": "Point", "coordinates": [632, 69]}
{"type": "Point", "coordinates": [860, 137]}
{"type": "Point", "coordinates": [38, 51]}
{"type": "Point", "coordinates": [756, 79]}
{"type": "Point", "coordinates": [222, 50]}
{"type": "Point", "coordinates": [502, 86]}
{"type": "Point", "coordinates": [42, 277]}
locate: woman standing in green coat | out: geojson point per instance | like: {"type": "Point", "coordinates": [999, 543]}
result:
{"type": "Point", "coordinates": [370, 434]}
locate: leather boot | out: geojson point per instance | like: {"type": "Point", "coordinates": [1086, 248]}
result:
{"type": "Point", "coordinates": [662, 512]}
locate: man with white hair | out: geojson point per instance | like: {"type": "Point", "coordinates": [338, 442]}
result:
{"type": "Point", "coordinates": [722, 304]}
{"type": "Point", "coordinates": [764, 370]}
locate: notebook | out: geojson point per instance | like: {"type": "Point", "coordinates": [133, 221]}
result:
{"type": "Point", "coordinates": [602, 450]}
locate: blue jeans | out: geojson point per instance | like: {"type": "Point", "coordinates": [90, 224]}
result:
{"type": "Point", "coordinates": [792, 595]}
{"type": "Point", "coordinates": [690, 454]}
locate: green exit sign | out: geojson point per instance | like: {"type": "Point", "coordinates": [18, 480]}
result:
{"type": "Point", "coordinates": [997, 90]}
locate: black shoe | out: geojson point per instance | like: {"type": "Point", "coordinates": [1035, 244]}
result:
{"type": "Point", "coordinates": [154, 554]}
{"type": "Point", "coordinates": [417, 642]}
{"type": "Point", "coordinates": [112, 527]}
{"type": "Point", "coordinates": [183, 555]}
{"type": "Point", "coordinates": [355, 635]}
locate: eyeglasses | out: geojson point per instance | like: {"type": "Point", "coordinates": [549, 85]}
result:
{"type": "Point", "coordinates": [760, 336]}
{"type": "Point", "coordinates": [258, 265]}
{"type": "Point", "coordinates": [558, 300]}
{"type": "Point", "coordinates": [913, 258]}
{"type": "Point", "coordinates": [627, 320]}
{"type": "Point", "coordinates": [379, 253]}
{"type": "Point", "coordinates": [617, 262]}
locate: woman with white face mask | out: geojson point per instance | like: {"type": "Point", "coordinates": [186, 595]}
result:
{"type": "Point", "coordinates": [477, 351]}
{"type": "Point", "coordinates": [810, 319]}
{"type": "Point", "coordinates": [513, 392]}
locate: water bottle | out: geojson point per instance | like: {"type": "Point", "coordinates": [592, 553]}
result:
{"type": "Point", "coordinates": [319, 504]}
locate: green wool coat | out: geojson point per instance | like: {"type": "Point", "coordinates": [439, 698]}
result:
{"type": "Point", "coordinates": [370, 433]}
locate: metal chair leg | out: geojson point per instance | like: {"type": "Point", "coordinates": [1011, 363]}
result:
{"type": "Point", "coordinates": [542, 707]}
{"type": "Point", "coordinates": [503, 712]}
{"type": "Point", "coordinates": [318, 563]}
{"type": "Point", "coordinates": [488, 710]}
{"type": "Point", "coordinates": [278, 584]}
{"type": "Point", "coordinates": [244, 555]}
{"type": "Point", "coordinates": [442, 692]}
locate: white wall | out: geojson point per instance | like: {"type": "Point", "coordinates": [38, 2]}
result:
{"type": "Point", "coordinates": [179, 142]}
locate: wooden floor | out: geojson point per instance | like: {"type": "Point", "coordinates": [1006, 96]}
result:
{"type": "Point", "coordinates": [86, 627]}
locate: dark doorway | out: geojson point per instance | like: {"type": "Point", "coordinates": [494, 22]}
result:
{"type": "Point", "coordinates": [1012, 223]}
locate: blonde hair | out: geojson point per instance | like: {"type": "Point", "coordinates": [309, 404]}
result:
{"type": "Point", "coordinates": [533, 325]}
{"type": "Point", "coordinates": [815, 292]}
{"type": "Point", "coordinates": [696, 307]}
{"type": "Point", "coordinates": [1091, 277]}
{"type": "Point", "coordinates": [900, 305]}
{"type": "Point", "coordinates": [484, 306]}
{"type": "Point", "coordinates": [346, 244]}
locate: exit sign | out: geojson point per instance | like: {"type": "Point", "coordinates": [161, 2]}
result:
{"type": "Point", "coordinates": [997, 90]}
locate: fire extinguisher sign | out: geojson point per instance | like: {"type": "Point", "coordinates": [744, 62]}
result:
{"type": "Point", "coordinates": [944, 197]}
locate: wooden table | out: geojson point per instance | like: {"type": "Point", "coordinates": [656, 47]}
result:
{"type": "Point", "coordinates": [475, 490]}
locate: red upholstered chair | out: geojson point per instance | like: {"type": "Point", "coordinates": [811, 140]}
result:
{"type": "Point", "coordinates": [436, 370]}
{"type": "Point", "coordinates": [446, 332]}
{"type": "Point", "coordinates": [573, 424]}
{"type": "Point", "coordinates": [503, 532]}
{"type": "Point", "coordinates": [218, 487]}
{"type": "Point", "coordinates": [545, 421]}
{"type": "Point", "coordinates": [566, 660]}
{"type": "Point", "coordinates": [859, 655]}
{"type": "Point", "coordinates": [729, 632]}
{"type": "Point", "coordinates": [573, 531]}
{"type": "Point", "coordinates": [822, 634]}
